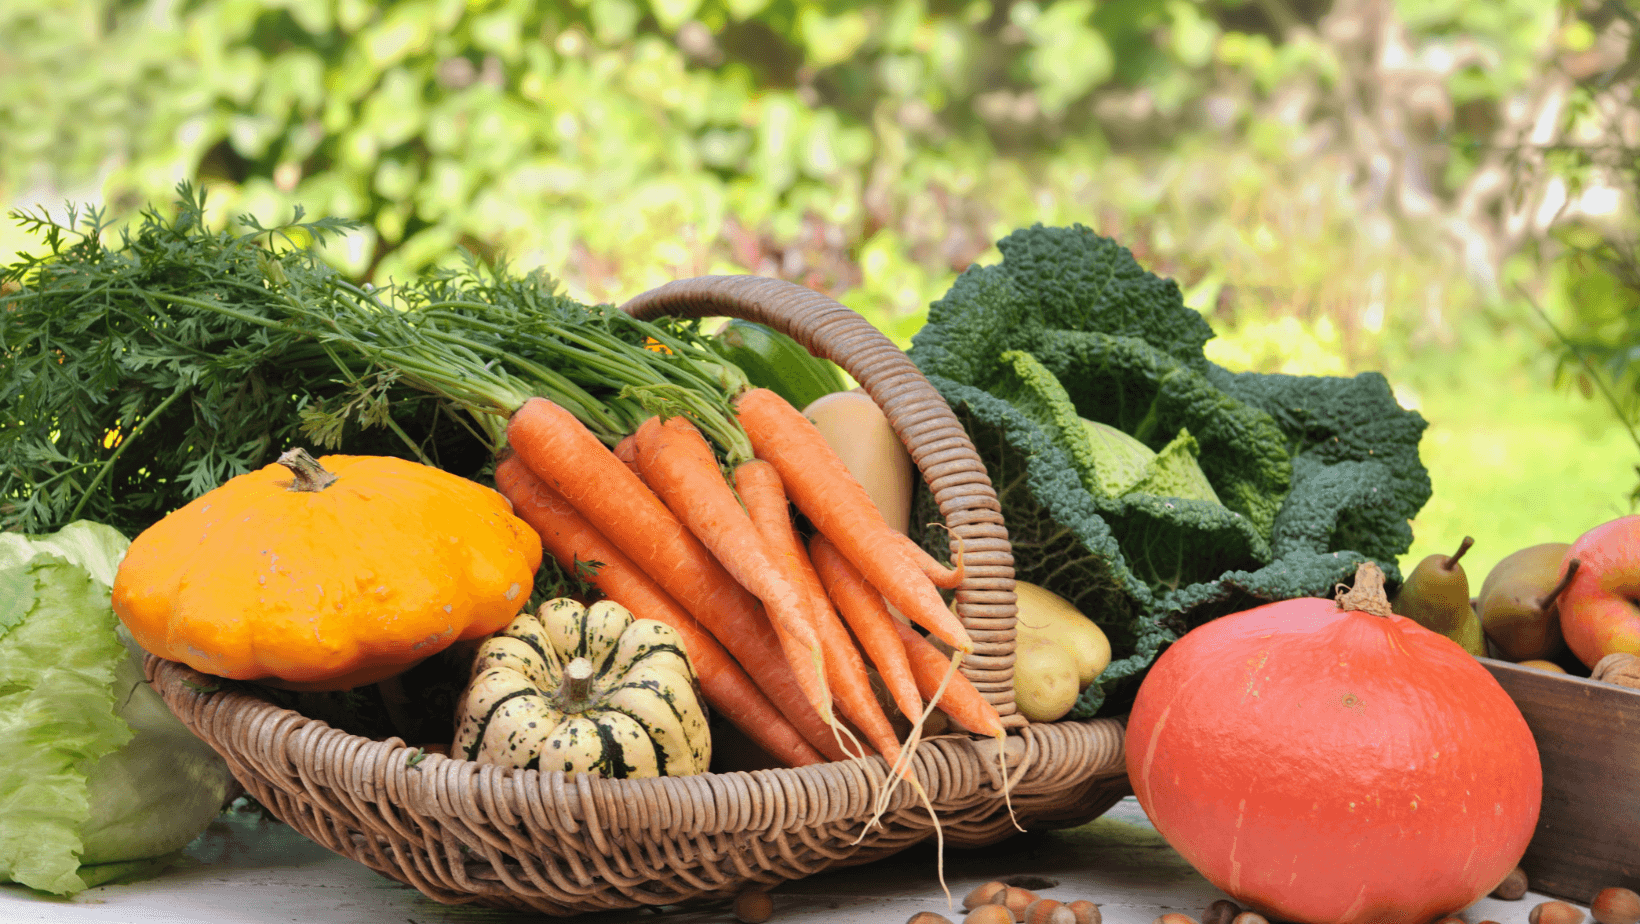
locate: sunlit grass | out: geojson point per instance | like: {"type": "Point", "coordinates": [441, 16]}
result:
{"type": "Point", "coordinates": [1513, 461]}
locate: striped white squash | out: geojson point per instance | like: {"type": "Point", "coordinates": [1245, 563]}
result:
{"type": "Point", "coordinates": [585, 690]}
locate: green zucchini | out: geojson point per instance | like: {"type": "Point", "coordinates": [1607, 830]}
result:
{"type": "Point", "coordinates": [775, 361]}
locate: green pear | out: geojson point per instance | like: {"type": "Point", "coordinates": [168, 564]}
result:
{"type": "Point", "coordinates": [1517, 603]}
{"type": "Point", "coordinates": [1436, 596]}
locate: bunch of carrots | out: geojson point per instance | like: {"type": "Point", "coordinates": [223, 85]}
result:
{"type": "Point", "coordinates": [779, 630]}
{"type": "Point", "coordinates": [651, 468]}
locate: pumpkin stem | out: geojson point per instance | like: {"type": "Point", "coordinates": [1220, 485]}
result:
{"type": "Point", "coordinates": [1367, 596]}
{"type": "Point", "coordinates": [310, 475]}
{"type": "Point", "coordinates": [576, 689]}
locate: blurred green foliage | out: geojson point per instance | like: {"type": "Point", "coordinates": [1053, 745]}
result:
{"type": "Point", "coordinates": [1298, 165]}
{"type": "Point", "coordinates": [867, 147]}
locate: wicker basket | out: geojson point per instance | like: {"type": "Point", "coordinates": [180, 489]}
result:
{"type": "Point", "coordinates": [526, 840]}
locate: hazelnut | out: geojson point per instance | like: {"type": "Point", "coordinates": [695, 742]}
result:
{"type": "Point", "coordinates": [1554, 913]}
{"type": "Point", "coordinates": [1249, 917]}
{"type": "Point", "coordinates": [928, 917]}
{"type": "Point", "coordinates": [753, 906]}
{"type": "Point", "coordinates": [1616, 906]}
{"type": "Point", "coordinates": [1086, 912]}
{"type": "Point", "coordinates": [989, 914]}
{"type": "Point", "coordinates": [1016, 900]}
{"type": "Point", "coordinates": [1513, 886]}
{"type": "Point", "coordinates": [983, 894]}
{"type": "Point", "coordinates": [1048, 911]}
{"type": "Point", "coordinates": [1619, 667]}
{"type": "Point", "coordinates": [1222, 911]}
{"type": "Point", "coordinates": [1174, 918]}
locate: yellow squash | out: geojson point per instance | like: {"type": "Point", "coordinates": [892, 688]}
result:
{"type": "Point", "coordinates": [326, 574]}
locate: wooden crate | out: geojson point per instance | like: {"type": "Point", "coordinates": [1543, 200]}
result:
{"type": "Point", "coordinates": [1588, 735]}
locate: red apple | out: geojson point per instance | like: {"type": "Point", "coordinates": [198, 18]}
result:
{"type": "Point", "coordinates": [1598, 610]}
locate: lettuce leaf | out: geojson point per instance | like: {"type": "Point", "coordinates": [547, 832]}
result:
{"type": "Point", "coordinates": [56, 718]}
{"type": "Point", "coordinates": [97, 779]}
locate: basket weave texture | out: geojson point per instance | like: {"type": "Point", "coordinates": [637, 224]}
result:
{"type": "Point", "coordinates": [527, 840]}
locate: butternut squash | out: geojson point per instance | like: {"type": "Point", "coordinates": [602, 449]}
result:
{"type": "Point", "coordinates": [855, 429]}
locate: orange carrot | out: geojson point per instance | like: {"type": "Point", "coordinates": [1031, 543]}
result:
{"type": "Point", "coordinates": [679, 466]}
{"type": "Point", "coordinates": [867, 614]}
{"type": "Point", "coordinates": [765, 499]}
{"type": "Point", "coordinates": [627, 451]}
{"type": "Point", "coordinates": [821, 486]}
{"type": "Point", "coordinates": [578, 546]}
{"type": "Point", "coordinates": [961, 700]}
{"type": "Point", "coordinates": [954, 694]}
{"type": "Point", "coordinates": [564, 454]}
{"type": "Point", "coordinates": [949, 578]}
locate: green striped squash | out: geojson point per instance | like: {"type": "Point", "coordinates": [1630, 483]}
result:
{"type": "Point", "coordinates": [585, 690]}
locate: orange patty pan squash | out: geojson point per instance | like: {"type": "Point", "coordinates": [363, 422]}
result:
{"type": "Point", "coordinates": [328, 573]}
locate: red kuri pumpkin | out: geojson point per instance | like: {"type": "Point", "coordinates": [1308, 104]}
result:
{"type": "Point", "coordinates": [1334, 763]}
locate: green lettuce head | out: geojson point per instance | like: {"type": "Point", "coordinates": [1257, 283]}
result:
{"type": "Point", "coordinates": [98, 780]}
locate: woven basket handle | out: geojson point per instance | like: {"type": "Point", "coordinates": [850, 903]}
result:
{"type": "Point", "coordinates": [949, 463]}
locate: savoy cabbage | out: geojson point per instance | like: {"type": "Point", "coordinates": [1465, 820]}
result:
{"type": "Point", "coordinates": [1313, 474]}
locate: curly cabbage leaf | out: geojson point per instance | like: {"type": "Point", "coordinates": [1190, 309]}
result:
{"type": "Point", "coordinates": [1314, 474]}
{"type": "Point", "coordinates": [1054, 281]}
{"type": "Point", "coordinates": [1162, 502]}
{"type": "Point", "coordinates": [1120, 462]}
{"type": "Point", "coordinates": [1060, 539]}
{"type": "Point", "coordinates": [1176, 473]}
{"type": "Point", "coordinates": [1111, 462]}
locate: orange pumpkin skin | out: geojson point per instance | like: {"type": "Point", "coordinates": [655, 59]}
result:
{"type": "Point", "coordinates": [1328, 766]}
{"type": "Point", "coordinates": [329, 589]}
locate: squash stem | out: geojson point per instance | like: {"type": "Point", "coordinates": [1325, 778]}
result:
{"type": "Point", "coordinates": [1367, 596]}
{"type": "Point", "coordinates": [576, 690]}
{"type": "Point", "coordinates": [310, 475]}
